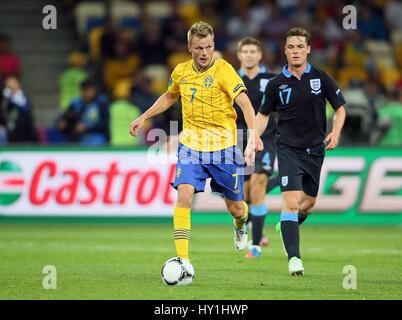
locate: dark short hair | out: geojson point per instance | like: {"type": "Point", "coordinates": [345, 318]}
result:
{"type": "Point", "coordinates": [87, 83]}
{"type": "Point", "coordinates": [249, 41]}
{"type": "Point", "coordinates": [299, 32]}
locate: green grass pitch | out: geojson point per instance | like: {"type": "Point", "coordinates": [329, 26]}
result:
{"type": "Point", "coordinates": [124, 262]}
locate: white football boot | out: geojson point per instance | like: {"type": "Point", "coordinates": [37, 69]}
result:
{"type": "Point", "coordinates": [240, 237]}
{"type": "Point", "coordinates": [296, 266]}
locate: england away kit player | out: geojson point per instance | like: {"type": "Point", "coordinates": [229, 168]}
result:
{"type": "Point", "coordinates": [300, 105]}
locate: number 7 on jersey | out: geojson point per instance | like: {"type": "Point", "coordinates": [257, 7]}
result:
{"type": "Point", "coordinates": [193, 90]}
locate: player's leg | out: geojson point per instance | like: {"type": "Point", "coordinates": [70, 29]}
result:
{"type": "Point", "coordinates": [264, 165]}
{"type": "Point", "coordinates": [181, 219]}
{"type": "Point", "coordinates": [228, 180]}
{"type": "Point", "coordinates": [190, 178]}
{"type": "Point", "coordinates": [289, 222]}
{"type": "Point", "coordinates": [310, 161]}
{"type": "Point", "coordinates": [290, 230]}
{"type": "Point", "coordinates": [258, 211]}
{"type": "Point", "coordinates": [291, 173]}
{"type": "Point", "coordinates": [239, 211]}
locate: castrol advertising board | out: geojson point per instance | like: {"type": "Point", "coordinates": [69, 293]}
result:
{"type": "Point", "coordinates": [84, 183]}
{"type": "Point", "coordinates": [357, 185]}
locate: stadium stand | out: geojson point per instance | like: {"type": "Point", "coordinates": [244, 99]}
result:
{"type": "Point", "coordinates": [122, 109]}
{"type": "Point", "coordinates": [143, 41]}
{"type": "Point", "coordinates": [71, 78]}
{"type": "Point", "coordinates": [88, 14]}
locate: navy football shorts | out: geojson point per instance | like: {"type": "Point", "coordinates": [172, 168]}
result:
{"type": "Point", "coordinates": [300, 169]}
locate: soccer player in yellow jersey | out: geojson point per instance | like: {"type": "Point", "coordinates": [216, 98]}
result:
{"type": "Point", "coordinates": [207, 149]}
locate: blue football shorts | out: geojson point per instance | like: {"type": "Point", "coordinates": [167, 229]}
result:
{"type": "Point", "coordinates": [224, 167]}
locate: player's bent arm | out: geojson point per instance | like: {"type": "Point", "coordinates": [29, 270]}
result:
{"type": "Point", "coordinates": [164, 102]}
{"type": "Point", "coordinates": [261, 122]}
{"type": "Point", "coordinates": [246, 107]}
{"type": "Point", "coordinates": [253, 142]}
{"type": "Point", "coordinates": [338, 122]}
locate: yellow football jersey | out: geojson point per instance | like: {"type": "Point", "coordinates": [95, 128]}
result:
{"type": "Point", "coordinates": [209, 119]}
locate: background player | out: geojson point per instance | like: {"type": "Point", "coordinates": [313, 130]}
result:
{"type": "Point", "coordinates": [255, 78]}
{"type": "Point", "coordinates": [207, 88]}
{"type": "Point", "coordinates": [298, 95]}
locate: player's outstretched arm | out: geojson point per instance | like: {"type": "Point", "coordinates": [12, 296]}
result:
{"type": "Point", "coordinates": [339, 119]}
{"type": "Point", "coordinates": [164, 102]}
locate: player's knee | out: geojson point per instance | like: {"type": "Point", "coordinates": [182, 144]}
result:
{"type": "Point", "coordinates": [185, 199]}
{"type": "Point", "coordinates": [258, 189]}
{"type": "Point", "coordinates": [257, 196]}
{"type": "Point", "coordinates": [292, 205]}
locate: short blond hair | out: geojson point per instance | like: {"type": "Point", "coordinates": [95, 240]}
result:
{"type": "Point", "coordinates": [200, 30]}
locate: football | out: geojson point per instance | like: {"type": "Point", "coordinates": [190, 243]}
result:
{"type": "Point", "coordinates": [177, 271]}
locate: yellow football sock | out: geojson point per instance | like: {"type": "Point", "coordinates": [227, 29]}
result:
{"type": "Point", "coordinates": [181, 231]}
{"type": "Point", "coordinates": [239, 222]}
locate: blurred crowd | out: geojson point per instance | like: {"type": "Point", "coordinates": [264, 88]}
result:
{"type": "Point", "coordinates": [129, 48]}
